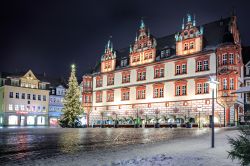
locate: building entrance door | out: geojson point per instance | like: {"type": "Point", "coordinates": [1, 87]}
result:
{"type": "Point", "coordinates": [22, 120]}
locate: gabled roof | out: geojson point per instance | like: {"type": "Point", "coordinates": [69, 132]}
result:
{"type": "Point", "coordinates": [215, 33]}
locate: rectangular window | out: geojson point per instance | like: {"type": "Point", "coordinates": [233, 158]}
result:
{"type": "Point", "coordinates": [34, 97]}
{"type": "Point", "coordinates": [110, 96]}
{"type": "Point", "coordinates": [125, 94]}
{"type": "Point", "coordinates": [39, 97]}
{"type": "Point", "coordinates": [178, 69]}
{"type": "Point", "coordinates": [22, 107]}
{"type": "Point", "coordinates": [44, 98]}
{"type": "Point", "coordinates": [205, 65]}
{"type": "Point", "coordinates": [158, 92]}
{"type": "Point", "coordinates": [205, 87]}
{"type": "Point", "coordinates": [199, 66]}
{"type": "Point", "coordinates": [224, 84]}
{"type": "Point", "coordinates": [28, 96]}
{"type": "Point", "coordinates": [178, 90]}
{"type": "Point", "coordinates": [11, 95]}
{"type": "Point", "coordinates": [23, 95]}
{"type": "Point", "coordinates": [231, 59]}
{"type": "Point", "coordinates": [199, 88]}
{"type": "Point", "coordinates": [231, 84]}
{"type": "Point", "coordinates": [224, 59]}
{"type": "Point", "coordinates": [98, 82]}
{"type": "Point", "coordinates": [125, 78]}
{"type": "Point", "coordinates": [16, 107]}
{"type": "Point", "coordinates": [184, 68]}
{"type": "Point", "coordinates": [184, 90]}
{"type": "Point", "coordinates": [141, 75]}
{"type": "Point", "coordinates": [17, 95]}
{"type": "Point", "coordinates": [98, 97]}
{"type": "Point", "coordinates": [110, 79]}
{"type": "Point", "coordinates": [11, 107]}
{"type": "Point", "coordinates": [141, 94]}
{"type": "Point", "coordinates": [159, 72]}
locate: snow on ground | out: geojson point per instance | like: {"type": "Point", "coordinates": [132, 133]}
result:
{"type": "Point", "coordinates": [179, 152]}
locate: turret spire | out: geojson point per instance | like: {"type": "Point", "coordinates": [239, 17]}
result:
{"type": "Point", "coordinates": [194, 22]}
{"type": "Point", "coordinates": [142, 24]}
{"type": "Point", "coordinates": [189, 18]}
{"type": "Point", "coordinates": [183, 22]}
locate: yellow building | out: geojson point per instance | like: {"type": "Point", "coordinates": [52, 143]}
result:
{"type": "Point", "coordinates": [24, 99]}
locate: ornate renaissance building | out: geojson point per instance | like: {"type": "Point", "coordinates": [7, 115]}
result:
{"type": "Point", "coordinates": [169, 75]}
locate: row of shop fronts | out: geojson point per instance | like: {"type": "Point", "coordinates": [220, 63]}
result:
{"type": "Point", "coordinates": [33, 119]}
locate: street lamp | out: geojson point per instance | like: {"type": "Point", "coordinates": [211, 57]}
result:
{"type": "Point", "coordinates": [213, 85]}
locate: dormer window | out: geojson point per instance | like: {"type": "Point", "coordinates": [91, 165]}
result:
{"type": "Point", "coordinates": [124, 62]}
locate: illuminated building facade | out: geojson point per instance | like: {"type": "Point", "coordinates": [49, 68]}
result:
{"type": "Point", "coordinates": [169, 76]}
{"type": "Point", "coordinates": [24, 99]}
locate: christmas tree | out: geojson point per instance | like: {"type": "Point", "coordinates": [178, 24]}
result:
{"type": "Point", "coordinates": [72, 105]}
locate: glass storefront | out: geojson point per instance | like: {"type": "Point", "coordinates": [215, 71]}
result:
{"type": "Point", "coordinates": [13, 120]}
{"type": "Point", "coordinates": [40, 120]}
{"type": "Point", "coordinates": [30, 120]}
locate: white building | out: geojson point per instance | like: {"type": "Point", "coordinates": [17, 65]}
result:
{"type": "Point", "coordinates": [24, 100]}
{"type": "Point", "coordinates": [169, 76]}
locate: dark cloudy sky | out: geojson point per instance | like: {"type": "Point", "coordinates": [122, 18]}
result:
{"type": "Point", "coordinates": [49, 35]}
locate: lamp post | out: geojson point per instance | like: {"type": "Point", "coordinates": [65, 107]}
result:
{"type": "Point", "coordinates": [213, 85]}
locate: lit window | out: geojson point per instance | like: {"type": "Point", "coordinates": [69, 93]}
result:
{"type": "Point", "coordinates": [205, 63]}
{"type": "Point", "coordinates": [22, 107]}
{"type": "Point", "coordinates": [184, 90]}
{"type": "Point", "coordinates": [224, 59]}
{"type": "Point", "coordinates": [199, 66]}
{"type": "Point", "coordinates": [141, 94]}
{"type": "Point", "coordinates": [231, 83]}
{"type": "Point", "coordinates": [98, 97]}
{"type": "Point", "coordinates": [224, 84]}
{"type": "Point", "coordinates": [199, 88]}
{"type": "Point", "coordinates": [184, 68]}
{"type": "Point", "coordinates": [10, 107]}
{"type": "Point", "coordinates": [178, 69]}
{"type": "Point", "coordinates": [110, 96]}
{"type": "Point", "coordinates": [16, 107]}
{"type": "Point", "coordinates": [231, 59]}
{"type": "Point", "coordinates": [205, 88]}
{"type": "Point", "coordinates": [178, 90]}
{"type": "Point", "coordinates": [141, 75]}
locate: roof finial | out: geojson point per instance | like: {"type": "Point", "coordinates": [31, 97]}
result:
{"type": "Point", "coordinates": [194, 22]}
{"type": "Point", "coordinates": [189, 18]}
{"type": "Point", "coordinates": [142, 24]}
{"type": "Point", "coordinates": [136, 37]}
{"type": "Point", "coordinates": [183, 21]}
{"type": "Point", "coordinates": [148, 33]}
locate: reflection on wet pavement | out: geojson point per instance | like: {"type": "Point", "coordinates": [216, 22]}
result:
{"type": "Point", "coordinates": [34, 143]}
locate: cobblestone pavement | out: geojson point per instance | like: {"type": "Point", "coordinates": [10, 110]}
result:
{"type": "Point", "coordinates": [19, 145]}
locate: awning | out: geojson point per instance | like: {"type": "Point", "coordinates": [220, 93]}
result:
{"type": "Point", "coordinates": [245, 89]}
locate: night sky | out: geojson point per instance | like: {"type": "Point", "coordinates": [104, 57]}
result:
{"type": "Point", "coordinates": [48, 36]}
